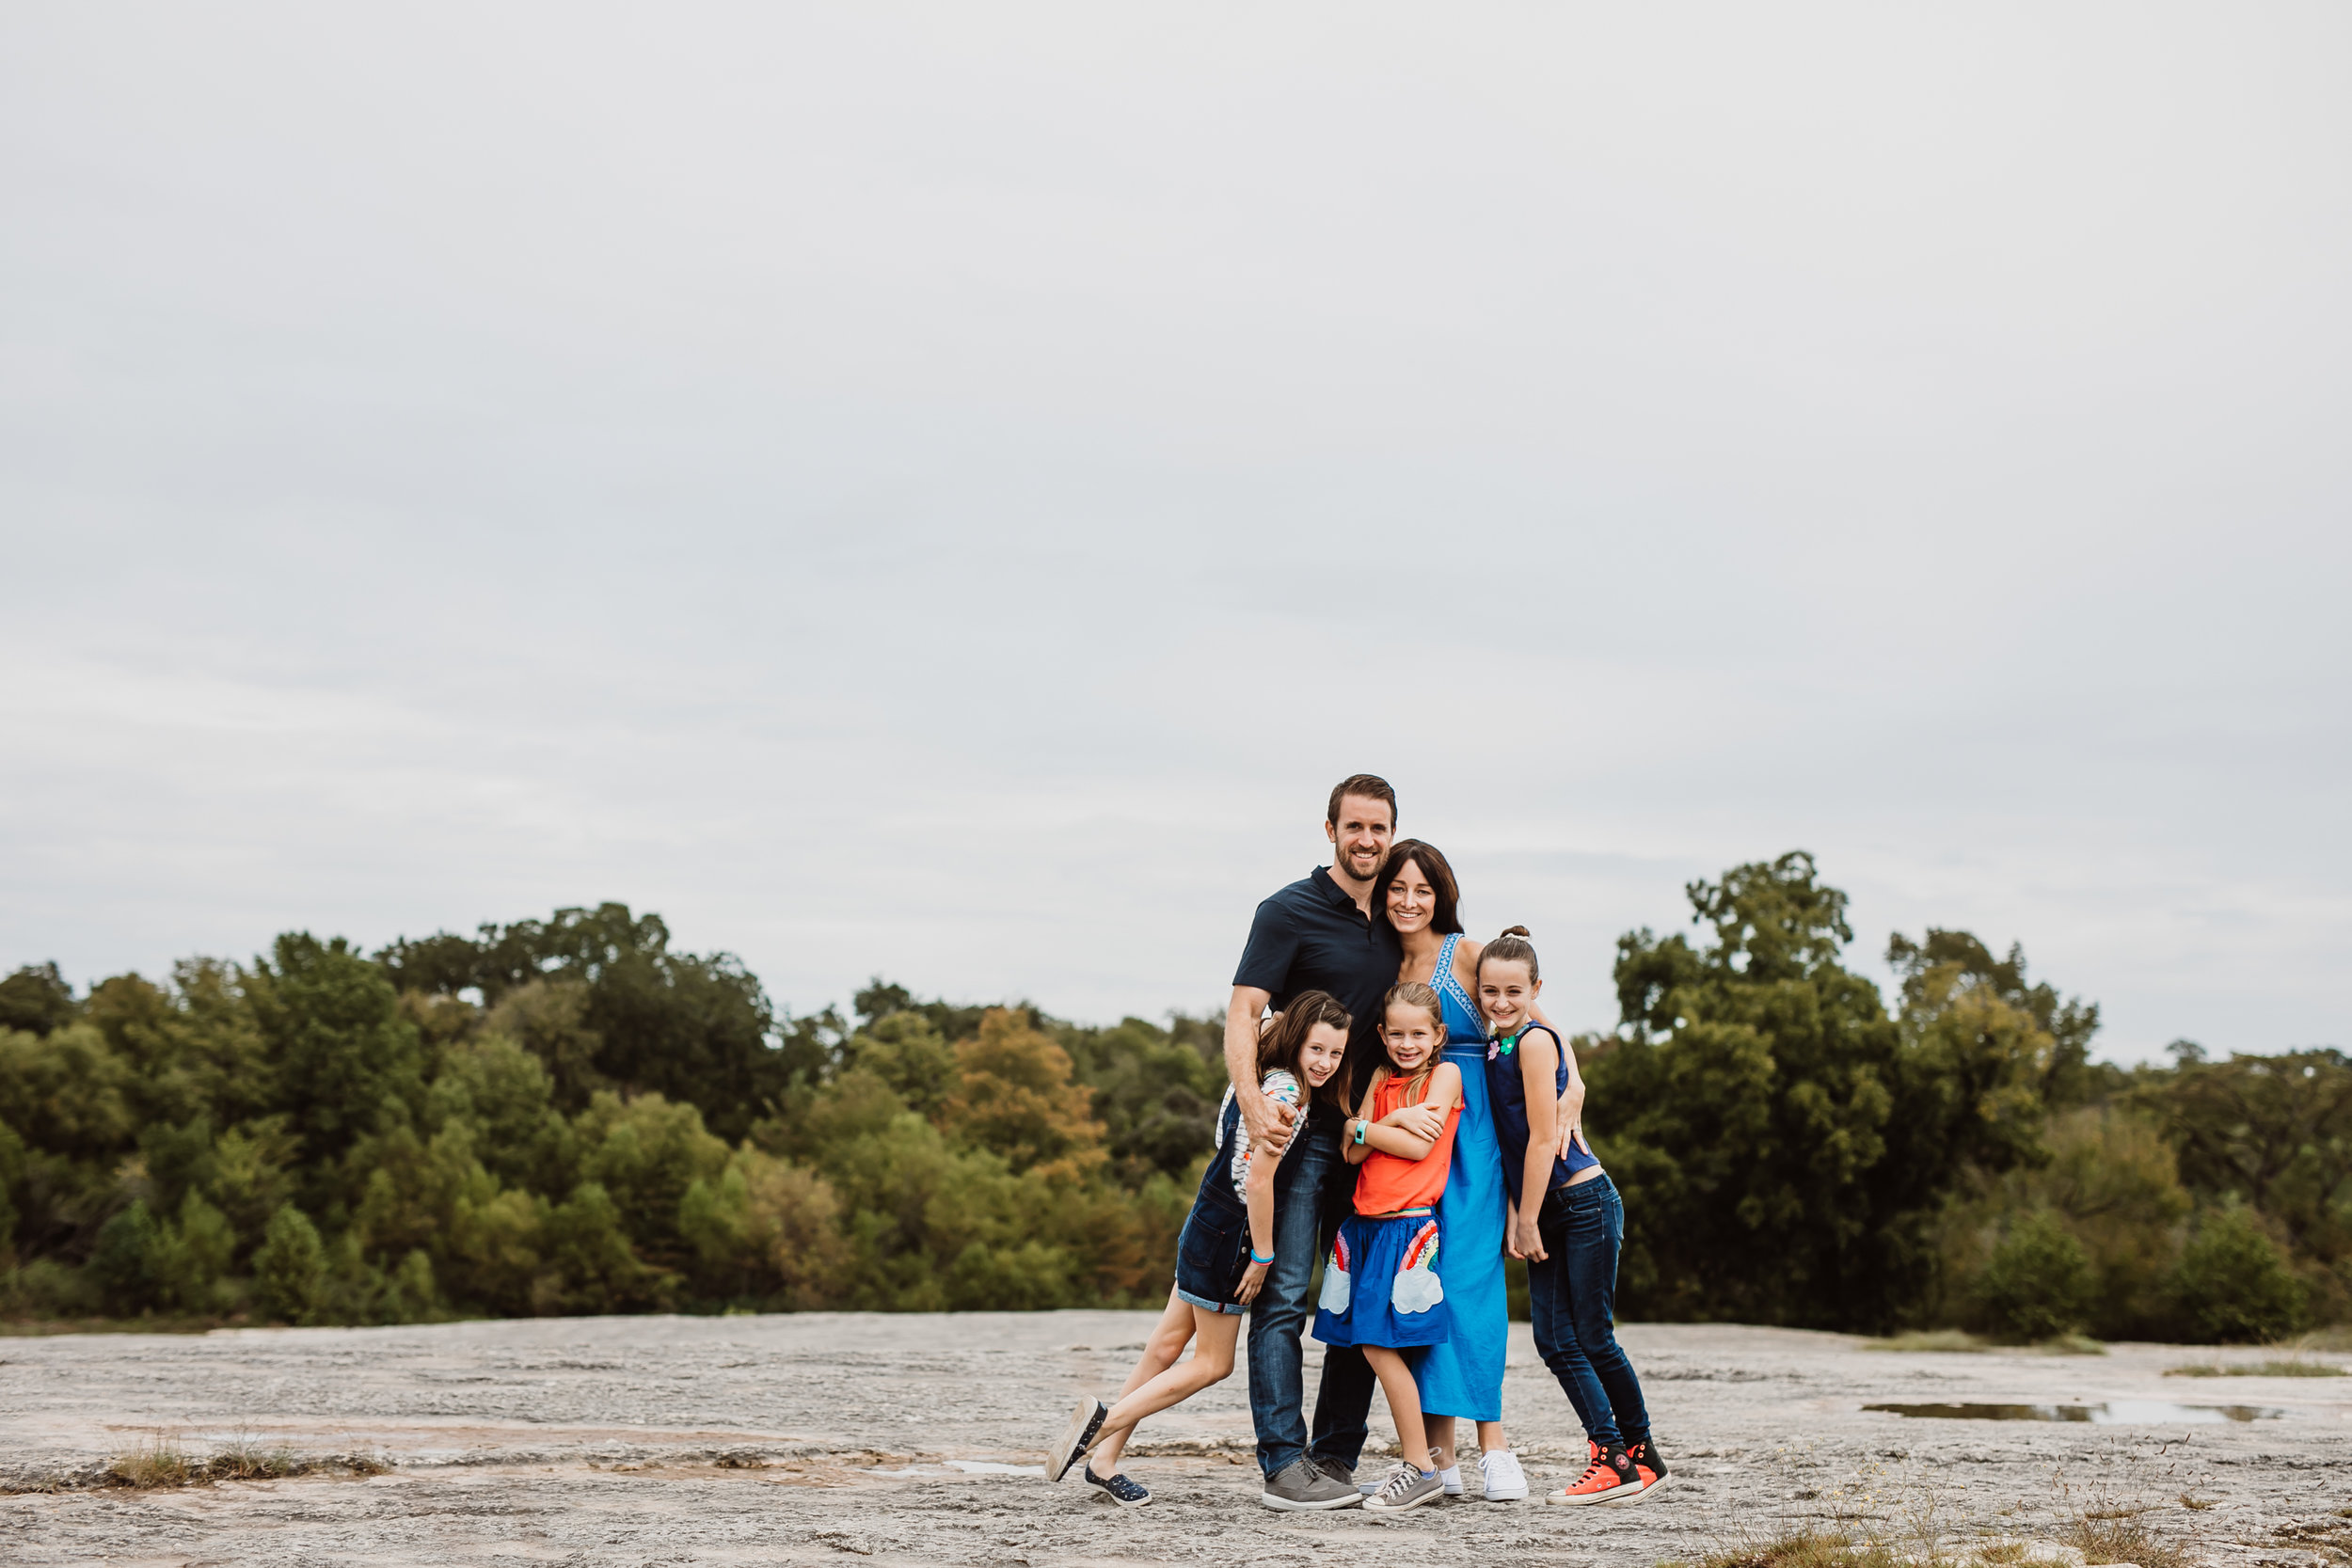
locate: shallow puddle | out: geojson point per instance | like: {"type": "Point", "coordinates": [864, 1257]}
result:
{"type": "Point", "coordinates": [2112, 1413]}
{"type": "Point", "coordinates": [965, 1466]}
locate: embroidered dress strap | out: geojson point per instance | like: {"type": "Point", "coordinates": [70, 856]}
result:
{"type": "Point", "coordinates": [1464, 1024]}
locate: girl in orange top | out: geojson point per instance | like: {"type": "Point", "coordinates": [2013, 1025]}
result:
{"type": "Point", "coordinates": [1380, 1285]}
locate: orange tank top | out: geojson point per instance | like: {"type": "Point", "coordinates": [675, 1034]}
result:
{"type": "Point", "coordinates": [1387, 1182]}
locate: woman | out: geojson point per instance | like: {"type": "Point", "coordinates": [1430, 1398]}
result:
{"type": "Point", "coordinates": [1462, 1377]}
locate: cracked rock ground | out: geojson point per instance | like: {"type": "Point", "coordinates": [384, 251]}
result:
{"type": "Point", "coordinates": [834, 1438]}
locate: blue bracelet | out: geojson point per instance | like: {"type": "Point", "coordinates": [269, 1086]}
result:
{"type": "Point", "coordinates": [1255, 1258]}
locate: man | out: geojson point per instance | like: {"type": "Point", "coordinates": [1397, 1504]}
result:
{"type": "Point", "coordinates": [1316, 934]}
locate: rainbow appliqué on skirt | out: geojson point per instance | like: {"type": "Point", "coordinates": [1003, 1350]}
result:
{"type": "Point", "coordinates": [1380, 1283]}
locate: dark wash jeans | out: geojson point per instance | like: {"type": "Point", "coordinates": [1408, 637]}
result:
{"type": "Point", "coordinates": [1312, 1171]}
{"type": "Point", "coordinates": [1572, 1296]}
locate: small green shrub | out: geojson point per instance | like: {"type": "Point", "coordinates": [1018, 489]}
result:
{"type": "Point", "coordinates": [129, 1261]}
{"type": "Point", "coordinates": [197, 1256]}
{"type": "Point", "coordinates": [2233, 1286]}
{"type": "Point", "coordinates": [290, 1266]}
{"type": "Point", "coordinates": [2039, 1283]}
{"type": "Point", "coordinates": [45, 1287]}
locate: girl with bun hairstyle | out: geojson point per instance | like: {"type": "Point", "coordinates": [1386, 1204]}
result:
{"type": "Point", "coordinates": [1569, 1222]}
{"type": "Point", "coordinates": [1461, 1377]}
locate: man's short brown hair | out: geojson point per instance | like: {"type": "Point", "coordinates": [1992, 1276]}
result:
{"type": "Point", "coordinates": [1372, 786]}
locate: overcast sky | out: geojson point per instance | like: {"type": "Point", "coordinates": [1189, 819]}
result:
{"type": "Point", "coordinates": [946, 490]}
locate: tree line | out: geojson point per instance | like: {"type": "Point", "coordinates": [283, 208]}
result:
{"type": "Point", "coordinates": [569, 1116]}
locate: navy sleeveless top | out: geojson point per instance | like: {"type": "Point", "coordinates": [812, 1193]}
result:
{"type": "Point", "coordinates": [1506, 1090]}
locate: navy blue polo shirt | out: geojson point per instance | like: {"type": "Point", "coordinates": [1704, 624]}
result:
{"type": "Point", "coordinates": [1311, 936]}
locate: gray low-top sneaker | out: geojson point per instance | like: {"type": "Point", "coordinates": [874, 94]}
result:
{"type": "Point", "coordinates": [1407, 1487]}
{"type": "Point", "coordinates": [1302, 1485]}
{"type": "Point", "coordinates": [1344, 1474]}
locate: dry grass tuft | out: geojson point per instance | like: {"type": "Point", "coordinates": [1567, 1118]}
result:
{"type": "Point", "coordinates": [2120, 1535]}
{"type": "Point", "coordinates": [1936, 1340]}
{"type": "Point", "coordinates": [157, 1461]}
{"type": "Point", "coordinates": [241, 1458]}
{"type": "Point", "coordinates": [2293, 1368]}
{"type": "Point", "coordinates": [2002, 1551]}
{"type": "Point", "coordinates": [1798, 1549]}
{"type": "Point", "coordinates": [161, 1462]}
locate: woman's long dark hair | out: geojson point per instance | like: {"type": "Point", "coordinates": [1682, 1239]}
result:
{"type": "Point", "coordinates": [1445, 922]}
{"type": "Point", "coordinates": [1282, 1039]}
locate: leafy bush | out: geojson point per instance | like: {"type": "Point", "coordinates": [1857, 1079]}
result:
{"type": "Point", "coordinates": [195, 1256]}
{"type": "Point", "coordinates": [128, 1263]}
{"type": "Point", "coordinates": [2233, 1286]}
{"type": "Point", "coordinates": [290, 1267]}
{"type": "Point", "coordinates": [2038, 1284]}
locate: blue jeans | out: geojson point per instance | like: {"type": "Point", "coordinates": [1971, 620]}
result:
{"type": "Point", "coordinates": [1572, 1297]}
{"type": "Point", "coordinates": [1312, 1170]}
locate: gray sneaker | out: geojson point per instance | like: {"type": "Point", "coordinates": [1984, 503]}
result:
{"type": "Point", "coordinates": [1406, 1487]}
{"type": "Point", "coordinates": [1340, 1473]}
{"type": "Point", "coordinates": [1300, 1486]}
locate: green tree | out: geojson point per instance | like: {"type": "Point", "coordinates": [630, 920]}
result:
{"type": "Point", "coordinates": [2039, 1283]}
{"type": "Point", "coordinates": [1957, 961]}
{"type": "Point", "coordinates": [1155, 1090]}
{"type": "Point", "coordinates": [2274, 1131]}
{"type": "Point", "coordinates": [548, 1018]}
{"type": "Point", "coordinates": [2107, 1172]}
{"type": "Point", "coordinates": [197, 1255]}
{"type": "Point", "coordinates": [36, 1000]}
{"type": "Point", "coordinates": [64, 1092]}
{"type": "Point", "coordinates": [1786, 1148]}
{"type": "Point", "coordinates": [643, 1154]}
{"type": "Point", "coordinates": [290, 1267]}
{"type": "Point", "coordinates": [342, 1055]}
{"type": "Point", "coordinates": [587, 1241]}
{"type": "Point", "coordinates": [695, 1029]}
{"type": "Point", "coordinates": [2233, 1285]}
{"type": "Point", "coordinates": [11, 1186]}
{"type": "Point", "coordinates": [127, 1262]}
{"type": "Point", "coordinates": [1016, 1097]}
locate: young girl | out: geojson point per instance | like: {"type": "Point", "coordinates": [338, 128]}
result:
{"type": "Point", "coordinates": [1380, 1287]}
{"type": "Point", "coordinates": [1567, 1222]}
{"type": "Point", "coordinates": [1221, 1256]}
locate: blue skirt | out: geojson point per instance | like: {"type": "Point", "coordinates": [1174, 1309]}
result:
{"type": "Point", "coordinates": [1380, 1285]}
{"type": "Point", "coordinates": [1463, 1376]}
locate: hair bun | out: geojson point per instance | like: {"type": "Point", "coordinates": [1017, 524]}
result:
{"type": "Point", "coordinates": [1519, 932]}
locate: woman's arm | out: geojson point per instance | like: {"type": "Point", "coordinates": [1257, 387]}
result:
{"type": "Point", "coordinates": [1538, 1061]}
{"type": "Point", "coordinates": [1445, 1092]}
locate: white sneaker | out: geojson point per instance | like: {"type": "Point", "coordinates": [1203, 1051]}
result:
{"type": "Point", "coordinates": [1505, 1481]}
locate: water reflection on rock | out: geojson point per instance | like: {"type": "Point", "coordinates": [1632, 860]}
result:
{"type": "Point", "coordinates": [2110, 1413]}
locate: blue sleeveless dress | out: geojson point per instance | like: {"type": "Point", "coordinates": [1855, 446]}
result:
{"type": "Point", "coordinates": [1463, 1376]}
